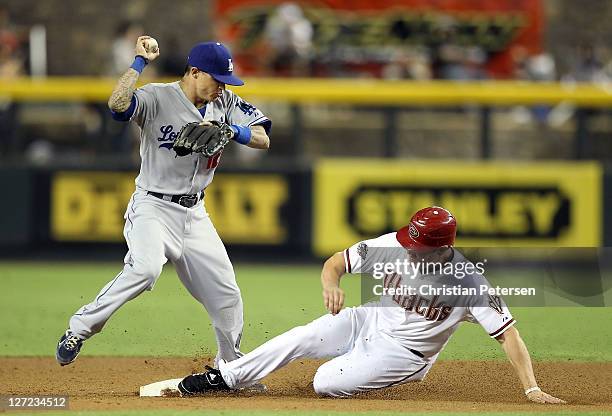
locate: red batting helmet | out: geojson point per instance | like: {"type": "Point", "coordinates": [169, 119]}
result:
{"type": "Point", "coordinates": [429, 228]}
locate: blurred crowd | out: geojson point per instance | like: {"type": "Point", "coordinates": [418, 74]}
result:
{"type": "Point", "coordinates": [286, 46]}
{"type": "Point", "coordinates": [13, 46]}
{"type": "Point", "coordinates": [288, 36]}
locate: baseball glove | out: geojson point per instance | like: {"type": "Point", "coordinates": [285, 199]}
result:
{"type": "Point", "coordinates": [207, 138]}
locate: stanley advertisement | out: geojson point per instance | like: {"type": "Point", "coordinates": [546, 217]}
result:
{"type": "Point", "coordinates": [496, 204]}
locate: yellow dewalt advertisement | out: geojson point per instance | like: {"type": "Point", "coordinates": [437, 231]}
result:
{"type": "Point", "coordinates": [89, 206]}
{"type": "Point", "coordinates": [245, 208]}
{"type": "Point", "coordinates": [495, 203]}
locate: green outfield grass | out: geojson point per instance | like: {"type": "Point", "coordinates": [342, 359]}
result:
{"type": "Point", "coordinates": [38, 298]}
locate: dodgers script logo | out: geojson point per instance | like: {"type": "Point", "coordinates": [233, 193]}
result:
{"type": "Point", "coordinates": [168, 137]}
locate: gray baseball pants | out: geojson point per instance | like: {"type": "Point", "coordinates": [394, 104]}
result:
{"type": "Point", "coordinates": [157, 231]}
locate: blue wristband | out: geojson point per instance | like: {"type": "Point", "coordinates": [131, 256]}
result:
{"type": "Point", "coordinates": [139, 63]}
{"type": "Point", "coordinates": [241, 134]}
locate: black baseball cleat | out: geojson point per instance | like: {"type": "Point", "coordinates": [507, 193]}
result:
{"type": "Point", "coordinates": [68, 348]}
{"type": "Point", "coordinates": [200, 383]}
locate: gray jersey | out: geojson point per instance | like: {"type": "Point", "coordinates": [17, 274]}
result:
{"type": "Point", "coordinates": [161, 111]}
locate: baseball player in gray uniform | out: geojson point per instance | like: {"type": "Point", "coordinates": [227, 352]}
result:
{"type": "Point", "coordinates": [394, 340]}
{"type": "Point", "coordinates": [165, 217]}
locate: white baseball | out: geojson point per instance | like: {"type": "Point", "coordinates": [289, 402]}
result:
{"type": "Point", "coordinates": [151, 45]}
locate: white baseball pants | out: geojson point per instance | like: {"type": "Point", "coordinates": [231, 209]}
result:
{"type": "Point", "coordinates": [157, 231]}
{"type": "Point", "coordinates": [365, 358]}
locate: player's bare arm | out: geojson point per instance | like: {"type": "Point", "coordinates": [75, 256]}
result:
{"type": "Point", "coordinates": [517, 353]}
{"type": "Point", "coordinates": [259, 138]}
{"type": "Point", "coordinates": [333, 296]}
{"type": "Point", "coordinates": [121, 96]}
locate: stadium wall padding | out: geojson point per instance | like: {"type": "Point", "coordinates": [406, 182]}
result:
{"type": "Point", "coordinates": [607, 207]}
{"type": "Point", "coordinates": [312, 212]}
{"type": "Point", "coordinates": [17, 208]}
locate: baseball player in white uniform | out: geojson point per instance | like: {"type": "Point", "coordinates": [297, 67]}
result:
{"type": "Point", "coordinates": [392, 341]}
{"type": "Point", "coordinates": [165, 218]}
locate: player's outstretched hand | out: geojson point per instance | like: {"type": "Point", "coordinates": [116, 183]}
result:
{"type": "Point", "coordinates": [542, 397]}
{"type": "Point", "coordinates": [141, 48]}
{"type": "Point", "coordinates": [334, 299]}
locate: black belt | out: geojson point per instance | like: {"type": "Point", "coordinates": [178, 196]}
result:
{"type": "Point", "coordinates": [186, 201]}
{"type": "Point", "coordinates": [417, 353]}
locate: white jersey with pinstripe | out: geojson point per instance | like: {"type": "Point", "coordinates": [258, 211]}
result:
{"type": "Point", "coordinates": [425, 323]}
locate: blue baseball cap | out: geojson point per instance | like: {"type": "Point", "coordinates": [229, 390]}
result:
{"type": "Point", "coordinates": [214, 59]}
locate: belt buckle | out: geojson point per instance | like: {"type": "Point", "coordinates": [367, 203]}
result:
{"type": "Point", "coordinates": [188, 201]}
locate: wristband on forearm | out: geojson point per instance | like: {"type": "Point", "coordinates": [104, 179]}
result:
{"type": "Point", "coordinates": [139, 63]}
{"type": "Point", "coordinates": [531, 390]}
{"type": "Point", "coordinates": [242, 134]}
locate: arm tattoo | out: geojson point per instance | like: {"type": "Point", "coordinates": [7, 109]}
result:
{"type": "Point", "coordinates": [121, 97]}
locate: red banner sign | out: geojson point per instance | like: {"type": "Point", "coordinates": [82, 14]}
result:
{"type": "Point", "coordinates": [365, 34]}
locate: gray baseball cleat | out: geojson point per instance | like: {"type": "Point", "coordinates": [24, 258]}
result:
{"type": "Point", "coordinates": [68, 348]}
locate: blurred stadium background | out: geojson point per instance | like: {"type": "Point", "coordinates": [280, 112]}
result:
{"type": "Point", "coordinates": [500, 111]}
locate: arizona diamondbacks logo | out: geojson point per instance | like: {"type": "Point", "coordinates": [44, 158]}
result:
{"type": "Point", "coordinates": [362, 250]}
{"type": "Point", "coordinates": [496, 304]}
{"type": "Point", "coordinates": [230, 65]}
{"type": "Point", "coordinates": [412, 230]}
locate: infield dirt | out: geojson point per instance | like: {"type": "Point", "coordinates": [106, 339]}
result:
{"type": "Point", "coordinates": [95, 383]}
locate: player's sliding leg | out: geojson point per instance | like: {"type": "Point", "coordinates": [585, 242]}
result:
{"type": "Point", "coordinates": [207, 273]}
{"type": "Point", "coordinates": [143, 264]}
{"type": "Point", "coordinates": [328, 336]}
{"type": "Point", "coordinates": [375, 362]}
